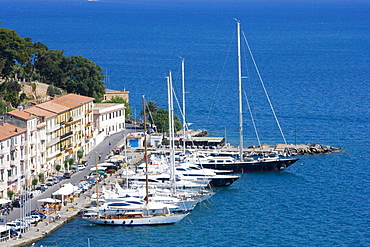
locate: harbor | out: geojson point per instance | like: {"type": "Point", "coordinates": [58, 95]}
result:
{"type": "Point", "coordinates": [314, 64]}
{"type": "Point", "coordinates": [73, 208]}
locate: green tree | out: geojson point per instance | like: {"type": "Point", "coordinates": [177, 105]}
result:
{"type": "Point", "coordinates": [152, 107]}
{"type": "Point", "coordinates": [14, 49]}
{"type": "Point", "coordinates": [71, 161]}
{"type": "Point", "coordinates": [66, 164]}
{"type": "Point", "coordinates": [58, 167]}
{"type": "Point", "coordinates": [52, 91]}
{"type": "Point", "coordinates": [48, 66]}
{"type": "Point", "coordinates": [80, 154]}
{"type": "Point", "coordinates": [35, 182]}
{"type": "Point", "coordinates": [41, 177]}
{"type": "Point", "coordinates": [3, 107]}
{"type": "Point", "coordinates": [160, 119]}
{"type": "Point", "coordinates": [10, 194]}
{"type": "Point", "coordinates": [120, 100]}
{"type": "Point", "coordinates": [82, 76]}
{"type": "Point", "coordinates": [21, 58]}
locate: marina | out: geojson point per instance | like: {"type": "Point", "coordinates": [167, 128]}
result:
{"type": "Point", "coordinates": [313, 59]}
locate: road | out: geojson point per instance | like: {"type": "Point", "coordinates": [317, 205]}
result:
{"type": "Point", "coordinates": [103, 149]}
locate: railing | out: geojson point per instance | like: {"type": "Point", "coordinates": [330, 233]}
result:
{"type": "Point", "coordinates": [54, 128]}
{"type": "Point", "coordinates": [53, 142]}
{"type": "Point", "coordinates": [53, 154]}
{"type": "Point", "coordinates": [66, 135]}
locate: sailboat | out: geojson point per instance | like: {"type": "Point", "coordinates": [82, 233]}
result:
{"type": "Point", "coordinates": [141, 216]}
{"type": "Point", "coordinates": [245, 164]}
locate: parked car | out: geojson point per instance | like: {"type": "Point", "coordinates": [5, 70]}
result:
{"type": "Point", "coordinates": [41, 188]}
{"type": "Point", "coordinates": [14, 225]}
{"type": "Point", "coordinates": [50, 181]}
{"type": "Point", "coordinates": [81, 167]}
{"type": "Point", "coordinates": [39, 213]}
{"type": "Point", "coordinates": [59, 178]}
{"type": "Point", "coordinates": [36, 218]}
{"type": "Point", "coordinates": [17, 203]}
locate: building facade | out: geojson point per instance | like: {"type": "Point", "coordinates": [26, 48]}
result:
{"type": "Point", "coordinates": [34, 147]}
{"type": "Point", "coordinates": [12, 158]}
{"type": "Point", "coordinates": [109, 118]}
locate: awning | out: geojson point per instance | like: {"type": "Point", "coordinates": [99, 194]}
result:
{"type": "Point", "coordinates": [4, 201]}
{"type": "Point", "coordinates": [49, 200]}
{"type": "Point", "coordinates": [66, 190]}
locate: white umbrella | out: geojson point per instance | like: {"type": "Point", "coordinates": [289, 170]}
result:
{"type": "Point", "coordinates": [49, 200]}
{"type": "Point", "coordinates": [4, 201]}
{"type": "Point", "coordinates": [118, 156]}
{"type": "Point", "coordinates": [66, 190]}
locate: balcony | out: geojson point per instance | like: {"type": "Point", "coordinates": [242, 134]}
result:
{"type": "Point", "coordinates": [54, 128]}
{"type": "Point", "coordinates": [88, 124]}
{"type": "Point", "coordinates": [66, 135]}
{"type": "Point", "coordinates": [75, 118]}
{"type": "Point", "coordinates": [4, 166]}
{"type": "Point", "coordinates": [53, 142]}
{"type": "Point", "coordinates": [53, 154]}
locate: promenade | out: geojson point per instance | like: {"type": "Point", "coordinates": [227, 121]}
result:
{"type": "Point", "coordinates": [66, 213]}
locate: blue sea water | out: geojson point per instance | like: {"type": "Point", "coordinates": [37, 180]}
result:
{"type": "Point", "coordinates": [314, 57]}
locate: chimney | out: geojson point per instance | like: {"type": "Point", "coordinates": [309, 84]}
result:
{"type": "Point", "coordinates": [16, 130]}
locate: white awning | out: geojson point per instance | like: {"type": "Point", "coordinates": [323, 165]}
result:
{"type": "Point", "coordinates": [49, 200]}
{"type": "Point", "coordinates": [66, 190]}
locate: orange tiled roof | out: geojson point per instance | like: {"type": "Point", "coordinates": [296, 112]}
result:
{"type": "Point", "coordinates": [40, 112]}
{"type": "Point", "coordinates": [9, 130]}
{"type": "Point", "coordinates": [22, 114]}
{"type": "Point", "coordinates": [53, 107]}
{"type": "Point", "coordinates": [67, 102]}
{"type": "Point", "coordinates": [78, 98]}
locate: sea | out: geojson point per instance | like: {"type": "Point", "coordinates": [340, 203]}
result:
{"type": "Point", "coordinates": [314, 60]}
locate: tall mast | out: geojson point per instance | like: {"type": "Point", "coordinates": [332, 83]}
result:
{"type": "Point", "coordinates": [171, 132]}
{"type": "Point", "coordinates": [145, 155]}
{"type": "Point", "coordinates": [240, 94]}
{"type": "Point", "coordinates": [97, 180]}
{"type": "Point", "coordinates": [183, 102]}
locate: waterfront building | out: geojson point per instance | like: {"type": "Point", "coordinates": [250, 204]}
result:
{"type": "Point", "coordinates": [63, 133]}
{"type": "Point", "coordinates": [110, 93]}
{"type": "Point", "coordinates": [83, 120]}
{"type": "Point", "coordinates": [74, 127]}
{"type": "Point", "coordinates": [50, 119]}
{"type": "Point", "coordinates": [35, 141]}
{"type": "Point", "coordinates": [12, 156]}
{"type": "Point", "coordinates": [109, 118]}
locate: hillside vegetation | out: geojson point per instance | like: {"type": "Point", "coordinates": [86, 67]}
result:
{"type": "Point", "coordinates": [23, 60]}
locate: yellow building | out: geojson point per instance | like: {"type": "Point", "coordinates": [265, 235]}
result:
{"type": "Point", "coordinates": [110, 93]}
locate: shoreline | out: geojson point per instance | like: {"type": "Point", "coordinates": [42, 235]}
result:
{"type": "Point", "coordinates": [71, 210]}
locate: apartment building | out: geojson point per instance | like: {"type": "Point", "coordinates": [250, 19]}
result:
{"type": "Point", "coordinates": [13, 171]}
{"type": "Point", "coordinates": [84, 115]}
{"type": "Point", "coordinates": [35, 140]}
{"type": "Point", "coordinates": [51, 150]}
{"type": "Point", "coordinates": [109, 118]}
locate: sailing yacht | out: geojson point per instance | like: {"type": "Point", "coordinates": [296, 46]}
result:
{"type": "Point", "coordinates": [243, 163]}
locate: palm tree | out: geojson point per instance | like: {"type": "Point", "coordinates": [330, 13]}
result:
{"type": "Point", "coordinates": [152, 107]}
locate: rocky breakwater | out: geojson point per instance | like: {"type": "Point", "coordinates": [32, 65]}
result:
{"type": "Point", "coordinates": [311, 148]}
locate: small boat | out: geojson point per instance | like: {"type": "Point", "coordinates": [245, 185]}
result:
{"type": "Point", "coordinates": [188, 171]}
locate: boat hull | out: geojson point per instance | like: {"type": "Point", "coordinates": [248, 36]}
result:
{"type": "Point", "coordinates": [223, 181]}
{"type": "Point", "coordinates": [143, 221]}
{"type": "Point", "coordinates": [253, 166]}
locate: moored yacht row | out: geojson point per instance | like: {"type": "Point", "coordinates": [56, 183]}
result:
{"type": "Point", "coordinates": [155, 196]}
